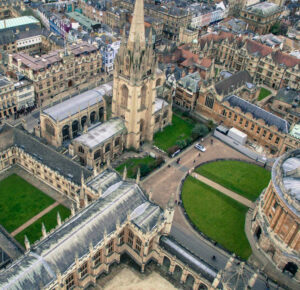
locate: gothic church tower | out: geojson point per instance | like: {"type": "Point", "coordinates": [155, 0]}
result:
{"type": "Point", "coordinates": [135, 76]}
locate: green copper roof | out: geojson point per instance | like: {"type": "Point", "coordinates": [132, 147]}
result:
{"type": "Point", "coordinates": [18, 21]}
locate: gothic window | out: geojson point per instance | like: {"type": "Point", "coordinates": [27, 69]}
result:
{"type": "Point", "coordinates": [138, 244]}
{"type": "Point", "coordinates": [141, 125]}
{"type": "Point", "coordinates": [130, 238]}
{"type": "Point", "coordinates": [83, 270]}
{"type": "Point", "coordinates": [110, 246]}
{"type": "Point", "coordinates": [165, 114]}
{"type": "Point", "coordinates": [158, 83]}
{"type": "Point", "coordinates": [97, 154]}
{"type": "Point", "coordinates": [75, 127]}
{"type": "Point", "coordinates": [127, 63]}
{"type": "Point", "coordinates": [70, 281]}
{"type": "Point", "coordinates": [209, 102]}
{"type": "Point", "coordinates": [65, 132]}
{"type": "Point", "coordinates": [117, 141]}
{"type": "Point", "coordinates": [80, 149]}
{"type": "Point", "coordinates": [143, 96]}
{"type": "Point", "coordinates": [107, 147]}
{"type": "Point", "coordinates": [83, 121]}
{"type": "Point", "coordinates": [97, 258]}
{"type": "Point", "coordinates": [101, 114]}
{"type": "Point", "coordinates": [49, 128]}
{"type": "Point", "coordinates": [93, 117]}
{"type": "Point", "coordinates": [124, 96]}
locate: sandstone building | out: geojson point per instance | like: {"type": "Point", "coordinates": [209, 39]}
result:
{"type": "Point", "coordinates": [271, 67]}
{"type": "Point", "coordinates": [261, 17]}
{"type": "Point", "coordinates": [137, 80]}
{"type": "Point", "coordinates": [59, 70]}
{"type": "Point", "coordinates": [276, 219]}
{"type": "Point", "coordinates": [96, 236]}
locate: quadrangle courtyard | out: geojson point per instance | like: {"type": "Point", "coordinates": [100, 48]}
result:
{"type": "Point", "coordinates": [22, 202]}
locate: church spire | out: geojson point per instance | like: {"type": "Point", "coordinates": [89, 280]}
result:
{"type": "Point", "coordinates": [137, 28]}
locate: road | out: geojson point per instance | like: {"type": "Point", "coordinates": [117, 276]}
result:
{"type": "Point", "coordinates": [167, 180]}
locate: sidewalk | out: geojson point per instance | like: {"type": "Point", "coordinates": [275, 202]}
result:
{"type": "Point", "coordinates": [35, 218]}
{"type": "Point", "coordinates": [224, 190]}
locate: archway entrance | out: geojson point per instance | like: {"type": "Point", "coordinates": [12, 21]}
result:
{"type": "Point", "coordinates": [290, 267]}
{"type": "Point", "coordinates": [177, 273]}
{"type": "Point", "coordinates": [257, 233]}
{"type": "Point", "coordinates": [189, 282]}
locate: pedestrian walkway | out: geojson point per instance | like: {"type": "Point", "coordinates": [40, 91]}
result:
{"type": "Point", "coordinates": [35, 218]}
{"type": "Point", "coordinates": [224, 190]}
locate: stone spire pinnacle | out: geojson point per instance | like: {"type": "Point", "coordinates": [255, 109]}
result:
{"type": "Point", "coordinates": [137, 28]}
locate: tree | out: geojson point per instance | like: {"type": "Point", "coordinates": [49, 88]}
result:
{"type": "Point", "coordinates": [181, 143]}
{"type": "Point", "coordinates": [279, 28]}
{"type": "Point", "coordinates": [199, 130]}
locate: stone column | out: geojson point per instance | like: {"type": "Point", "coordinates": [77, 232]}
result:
{"type": "Point", "coordinates": [280, 222]}
{"type": "Point", "coordinates": [290, 233]}
{"type": "Point", "coordinates": [295, 241]}
{"type": "Point", "coordinates": [276, 217]}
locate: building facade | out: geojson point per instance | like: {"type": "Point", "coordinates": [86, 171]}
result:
{"type": "Point", "coordinates": [67, 120]}
{"type": "Point", "coordinates": [136, 83]}
{"type": "Point", "coordinates": [271, 67]}
{"type": "Point", "coordinates": [276, 219]}
{"type": "Point", "coordinates": [261, 17]}
{"type": "Point", "coordinates": [97, 235]}
{"type": "Point", "coordinates": [8, 102]}
{"type": "Point", "coordinates": [59, 70]}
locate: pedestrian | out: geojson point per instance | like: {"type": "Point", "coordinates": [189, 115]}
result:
{"type": "Point", "coordinates": [199, 154]}
{"type": "Point", "coordinates": [194, 161]}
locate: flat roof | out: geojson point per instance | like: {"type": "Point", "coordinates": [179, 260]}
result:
{"type": "Point", "coordinates": [159, 104]}
{"type": "Point", "coordinates": [101, 133]}
{"type": "Point", "coordinates": [80, 102]}
{"type": "Point", "coordinates": [83, 20]}
{"type": "Point", "coordinates": [18, 21]}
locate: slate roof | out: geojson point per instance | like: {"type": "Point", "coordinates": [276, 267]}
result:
{"type": "Point", "coordinates": [288, 96]}
{"type": "Point", "coordinates": [57, 251]}
{"type": "Point", "coordinates": [80, 102]}
{"type": "Point", "coordinates": [12, 136]}
{"type": "Point", "coordinates": [231, 83]}
{"type": "Point", "coordinates": [190, 82]}
{"type": "Point", "coordinates": [101, 133]}
{"type": "Point", "coordinates": [9, 36]}
{"type": "Point", "coordinates": [198, 265]}
{"type": "Point", "coordinates": [258, 113]}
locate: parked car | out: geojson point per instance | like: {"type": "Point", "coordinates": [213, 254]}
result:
{"type": "Point", "coordinates": [200, 147]}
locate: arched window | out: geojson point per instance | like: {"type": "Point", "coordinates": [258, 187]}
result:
{"type": "Point", "coordinates": [117, 141]}
{"type": "Point", "coordinates": [124, 96]}
{"type": "Point", "coordinates": [49, 128]}
{"type": "Point", "coordinates": [166, 263]}
{"type": "Point", "coordinates": [83, 121]}
{"type": "Point", "coordinates": [80, 149]}
{"type": "Point", "coordinates": [101, 114]}
{"type": "Point", "coordinates": [143, 96]}
{"type": "Point", "coordinates": [93, 117]}
{"type": "Point", "coordinates": [65, 133]}
{"type": "Point", "coordinates": [75, 127]}
{"type": "Point", "coordinates": [209, 102]}
{"type": "Point", "coordinates": [158, 83]}
{"type": "Point", "coordinates": [142, 125]}
{"type": "Point", "coordinates": [97, 154]}
{"type": "Point", "coordinates": [107, 147]}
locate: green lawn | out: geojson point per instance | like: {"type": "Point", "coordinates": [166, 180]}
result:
{"type": "Point", "coordinates": [241, 177]}
{"type": "Point", "coordinates": [133, 164]}
{"type": "Point", "coordinates": [179, 130]}
{"type": "Point", "coordinates": [34, 231]}
{"type": "Point", "coordinates": [263, 93]}
{"type": "Point", "coordinates": [216, 215]}
{"type": "Point", "coordinates": [20, 201]}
